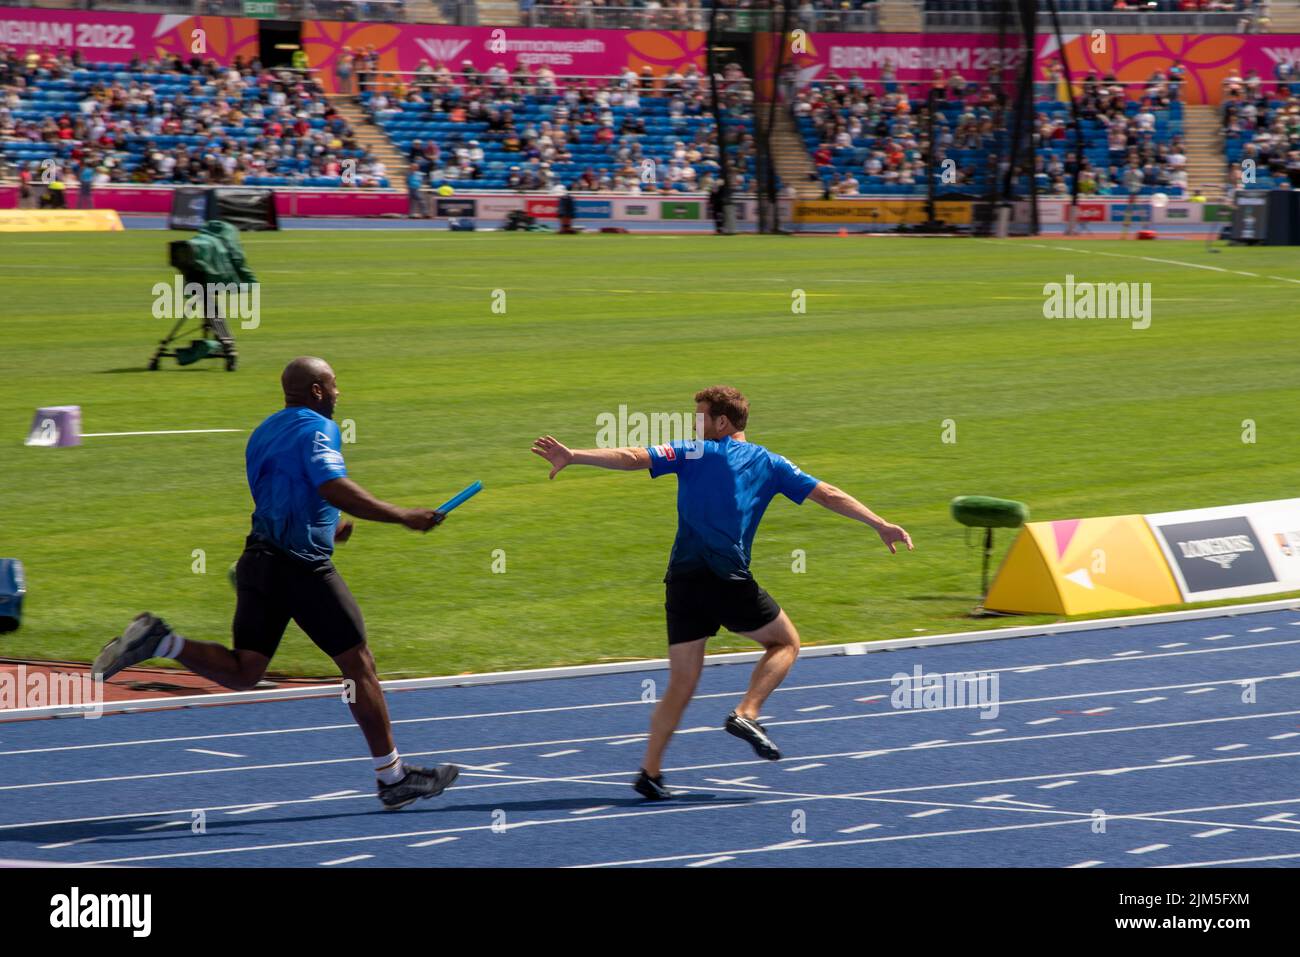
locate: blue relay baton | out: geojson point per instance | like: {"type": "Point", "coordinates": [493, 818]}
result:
{"type": "Point", "coordinates": [466, 493]}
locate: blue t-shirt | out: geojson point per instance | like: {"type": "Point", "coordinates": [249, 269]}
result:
{"type": "Point", "coordinates": [723, 488]}
{"type": "Point", "coordinates": [288, 457]}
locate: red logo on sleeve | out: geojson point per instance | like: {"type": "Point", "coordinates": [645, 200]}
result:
{"type": "Point", "coordinates": [667, 451]}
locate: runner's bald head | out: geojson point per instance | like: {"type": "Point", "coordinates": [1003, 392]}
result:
{"type": "Point", "coordinates": [309, 381]}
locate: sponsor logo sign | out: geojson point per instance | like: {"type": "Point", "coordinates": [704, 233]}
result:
{"type": "Point", "coordinates": [593, 209]}
{"type": "Point", "coordinates": [455, 207]}
{"type": "Point", "coordinates": [546, 208]}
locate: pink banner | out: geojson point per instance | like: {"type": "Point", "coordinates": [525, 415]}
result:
{"type": "Point", "coordinates": [120, 37]}
{"type": "Point", "coordinates": [1206, 59]}
{"type": "Point", "coordinates": [403, 47]}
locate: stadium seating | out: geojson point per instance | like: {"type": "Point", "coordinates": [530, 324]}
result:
{"type": "Point", "coordinates": [437, 120]}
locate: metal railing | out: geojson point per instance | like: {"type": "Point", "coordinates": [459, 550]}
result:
{"type": "Point", "coordinates": [586, 16]}
{"type": "Point", "coordinates": [1119, 21]}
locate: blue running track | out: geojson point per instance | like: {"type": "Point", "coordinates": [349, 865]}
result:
{"type": "Point", "coordinates": [1150, 745]}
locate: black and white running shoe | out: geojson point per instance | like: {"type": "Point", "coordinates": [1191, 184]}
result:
{"type": "Point", "coordinates": [416, 784]}
{"type": "Point", "coordinates": [652, 789]}
{"type": "Point", "coordinates": [139, 642]}
{"type": "Point", "coordinates": [747, 729]}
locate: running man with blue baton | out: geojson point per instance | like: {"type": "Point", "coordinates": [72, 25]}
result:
{"type": "Point", "coordinates": [724, 484]}
{"type": "Point", "coordinates": [299, 485]}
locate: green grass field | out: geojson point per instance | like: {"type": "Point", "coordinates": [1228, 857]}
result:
{"type": "Point", "coordinates": [1077, 418]}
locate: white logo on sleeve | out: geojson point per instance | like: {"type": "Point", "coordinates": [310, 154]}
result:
{"type": "Point", "coordinates": [321, 451]}
{"type": "Point", "coordinates": [797, 471]}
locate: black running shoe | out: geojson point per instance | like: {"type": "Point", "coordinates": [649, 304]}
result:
{"type": "Point", "coordinates": [418, 783]}
{"type": "Point", "coordinates": [747, 729]}
{"type": "Point", "coordinates": [652, 789]}
{"type": "Point", "coordinates": [139, 642]}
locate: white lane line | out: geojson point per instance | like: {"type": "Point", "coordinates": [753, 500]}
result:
{"type": "Point", "coordinates": [162, 826]}
{"type": "Point", "coordinates": [1175, 644]}
{"type": "Point", "coordinates": [1222, 636]}
{"type": "Point", "coordinates": [930, 813]}
{"type": "Point", "coordinates": [619, 738]}
{"type": "Point", "coordinates": [866, 754]}
{"type": "Point", "coordinates": [101, 435]}
{"type": "Point", "coordinates": [787, 844]}
{"type": "Point", "coordinates": [723, 764]}
{"type": "Point", "coordinates": [805, 767]}
{"type": "Point", "coordinates": [632, 740]}
{"type": "Point", "coordinates": [930, 744]}
{"type": "Point", "coordinates": [704, 807]}
{"type": "Point", "coordinates": [593, 810]}
{"type": "Point", "coordinates": [436, 840]}
{"type": "Point", "coordinates": [1231, 747]}
{"type": "Point", "coordinates": [1235, 860]}
{"type": "Point", "coordinates": [491, 768]}
{"type": "Point", "coordinates": [1284, 817]}
{"type": "Point", "coordinates": [219, 754]}
{"type": "Point", "coordinates": [80, 840]}
{"type": "Point", "coordinates": [857, 827]}
{"type": "Point", "coordinates": [1213, 832]}
{"type": "Point", "coordinates": [1085, 864]}
{"type": "Point", "coordinates": [1149, 700]}
{"type": "Point", "coordinates": [1125, 654]}
{"type": "Point", "coordinates": [1148, 849]}
{"type": "Point", "coordinates": [1177, 757]}
{"type": "Point", "coordinates": [816, 707]}
{"type": "Point", "coordinates": [560, 754]}
{"type": "Point", "coordinates": [1030, 669]}
{"type": "Point", "coordinates": [252, 809]}
{"type": "Point", "coordinates": [334, 794]}
{"type": "Point", "coordinates": [1056, 784]}
{"type": "Point", "coordinates": [347, 860]}
{"type": "Point", "coordinates": [978, 734]}
{"type": "Point", "coordinates": [698, 730]}
{"type": "Point", "coordinates": [711, 860]}
{"type": "Point", "coordinates": [1256, 631]}
{"type": "Point", "coordinates": [1284, 736]}
{"type": "Point", "coordinates": [1043, 721]}
{"type": "Point", "coordinates": [1097, 710]}
{"type": "Point", "coordinates": [1007, 799]}
{"type": "Point", "coordinates": [745, 782]}
{"type": "Point", "coordinates": [1199, 690]}
{"type": "Point", "coordinates": [870, 698]}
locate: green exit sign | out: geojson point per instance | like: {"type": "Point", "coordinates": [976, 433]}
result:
{"type": "Point", "coordinates": [260, 8]}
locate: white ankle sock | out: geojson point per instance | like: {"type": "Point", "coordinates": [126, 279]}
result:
{"type": "Point", "coordinates": [389, 768]}
{"type": "Point", "coordinates": [170, 647]}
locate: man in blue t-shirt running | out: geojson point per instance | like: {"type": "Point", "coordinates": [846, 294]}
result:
{"type": "Point", "coordinates": [724, 484]}
{"type": "Point", "coordinates": [299, 485]}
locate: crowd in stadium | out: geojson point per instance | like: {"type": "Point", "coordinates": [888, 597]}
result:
{"type": "Point", "coordinates": [867, 137]}
{"type": "Point", "coordinates": [1261, 124]}
{"type": "Point", "coordinates": [531, 129]}
{"type": "Point", "coordinates": [171, 121]}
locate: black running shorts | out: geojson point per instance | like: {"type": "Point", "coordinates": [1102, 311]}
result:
{"type": "Point", "coordinates": [698, 604]}
{"type": "Point", "coordinates": [272, 588]}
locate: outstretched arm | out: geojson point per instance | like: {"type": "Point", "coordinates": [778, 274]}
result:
{"type": "Point", "coordinates": [348, 496]}
{"type": "Point", "coordinates": [842, 503]}
{"type": "Point", "coordinates": [624, 459]}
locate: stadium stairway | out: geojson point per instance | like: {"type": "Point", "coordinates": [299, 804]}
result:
{"type": "Point", "coordinates": [1204, 145]}
{"type": "Point", "coordinates": [370, 137]}
{"type": "Point", "coordinates": [901, 16]}
{"type": "Point", "coordinates": [499, 13]}
{"type": "Point", "coordinates": [790, 156]}
{"type": "Point", "coordinates": [1284, 17]}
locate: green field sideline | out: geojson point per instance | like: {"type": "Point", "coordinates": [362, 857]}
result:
{"type": "Point", "coordinates": [1074, 417]}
